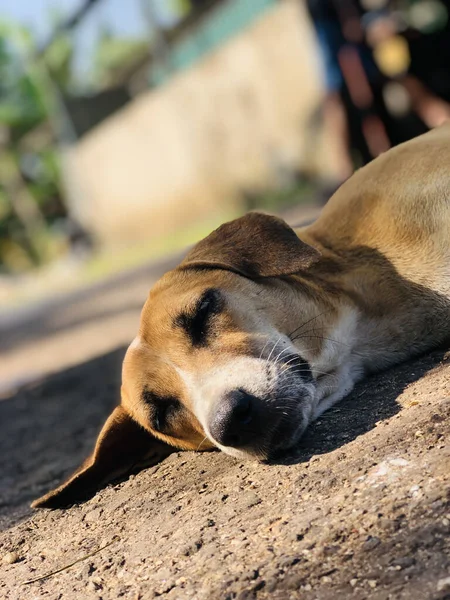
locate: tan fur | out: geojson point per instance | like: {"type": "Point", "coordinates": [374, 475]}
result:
{"type": "Point", "coordinates": [364, 287]}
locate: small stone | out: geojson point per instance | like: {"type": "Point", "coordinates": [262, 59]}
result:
{"type": "Point", "coordinates": [93, 516]}
{"type": "Point", "coordinates": [331, 550]}
{"type": "Point", "coordinates": [437, 418]}
{"type": "Point", "coordinates": [11, 558]}
{"type": "Point", "coordinates": [399, 462]}
{"type": "Point", "coordinates": [372, 583]}
{"type": "Point", "coordinates": [443, 584]}
{"type": "Point", "coordinates": [93, 587]}
{"type": "Point", "coordinates": [353, 582]}
{"type": "Point", "coordinates": [445, 522]}
{"type": "Point", "coordinates": [252, 500]}
{"type": "Point", "coordinates": [371, 543]}
{"type": "Point", "coordinates": [404, 562]}
{"type": "Point", "coordinates": [418, 434]}
{"type": "Point", "coordinates": [307, 587]}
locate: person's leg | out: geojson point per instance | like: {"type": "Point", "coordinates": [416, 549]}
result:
{"type": "Point", "coordinates": [430, 108]}
{"type": "Point", "coordinates": [336, 125]}
{"type": "Point", "coordinates": [329, 37]}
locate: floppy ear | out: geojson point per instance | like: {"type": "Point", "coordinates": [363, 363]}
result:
{"type": "Point", "coordinates": [121, 446]}
{"type": "Point", "coordinates": [256, 245]}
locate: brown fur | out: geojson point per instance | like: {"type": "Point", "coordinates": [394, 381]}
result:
{"type": "Point", "coordinates": [373, 272]}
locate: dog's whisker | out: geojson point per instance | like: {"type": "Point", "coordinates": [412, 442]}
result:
{"type": "Point", "coordinates": [265, 346]}
{"type": "Point", "coordinates": [274, 346]}
{"type": "Point", "coordinates": [320, 337]}
{"type": "Point", "coordinates": [201, 443]}
{"type": "Point", "coordinates": [294, 359]}
{"type": "Point", "coordinates": [279, 355]}
{"type": "Point", "coordinates": [309, 321]}
{"type": "Point", "coordinates": [291, 363]}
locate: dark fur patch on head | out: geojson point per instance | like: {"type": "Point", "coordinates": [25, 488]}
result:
{"type": "Point", "coordinates": [198, 323]}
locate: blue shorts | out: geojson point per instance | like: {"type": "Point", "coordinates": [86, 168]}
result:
{"type": "Point", "coordinates": [331, 41]}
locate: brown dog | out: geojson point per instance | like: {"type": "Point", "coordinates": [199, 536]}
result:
{"type": "Point", "coordinates": [260, 329]}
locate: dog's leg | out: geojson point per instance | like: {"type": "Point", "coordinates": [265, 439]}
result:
{"type": "Point", "coordinates": [332, 388]}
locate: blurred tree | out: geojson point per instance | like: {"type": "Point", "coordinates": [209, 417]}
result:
{"type": "Point", "coordinates": [112, 54]}
{"type": "Point", "coordinates": [59, 60]}
{"type": "Point", "coordinates": [29, 120]}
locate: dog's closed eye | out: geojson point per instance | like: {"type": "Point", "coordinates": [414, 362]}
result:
{"type": "Point", "coordinates": [163, 409]}
{"type": "Point", "coordinates": [198, 323]}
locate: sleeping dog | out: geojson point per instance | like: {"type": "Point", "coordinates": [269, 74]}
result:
{"type": "Point", "coordinates": [262, 328]}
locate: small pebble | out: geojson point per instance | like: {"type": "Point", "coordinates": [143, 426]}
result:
{"type": "Point", "coordinates": [11, 557]}
{"type": "Point", "coordinates": [399, 462]}
{"type": "Point", "coordinates": [252, 499]}
{"type": "Point", "coordinates": [371, 543]}
{"type": "Point", "coordinates": [372, 583]}
{"type": "Point", "coordinates": [353, 582]}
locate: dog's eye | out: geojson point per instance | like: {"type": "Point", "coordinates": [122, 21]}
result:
{"type": "Point", "coordinates": [163, 409]}
{"type": "Point", "coordinates": [207, 306]}
{"type": "Point", "coordinates": [197, 325]}
{"type": "Point", "coordinates": [160, 416]}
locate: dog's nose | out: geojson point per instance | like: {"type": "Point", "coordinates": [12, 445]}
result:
{"type": "Point", "coordinates": [234, 422]}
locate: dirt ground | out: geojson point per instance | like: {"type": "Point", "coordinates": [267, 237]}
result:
{"type": "Point", "coordinates": [361, 511]}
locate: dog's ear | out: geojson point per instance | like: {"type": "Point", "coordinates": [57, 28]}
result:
{"type": "Point", "coordinates": [256, 245]}
{"type": "Point", "coordinates": [121, 446]}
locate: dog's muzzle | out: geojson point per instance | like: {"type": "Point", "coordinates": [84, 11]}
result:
{"type": "Point", "coordinates": [238, 421]}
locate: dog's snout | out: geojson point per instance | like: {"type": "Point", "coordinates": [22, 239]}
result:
{"type": "Point", "coordinates": [233, 424]}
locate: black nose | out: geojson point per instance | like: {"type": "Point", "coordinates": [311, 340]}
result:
{"type": "Point", "coordinates": [234, 423]}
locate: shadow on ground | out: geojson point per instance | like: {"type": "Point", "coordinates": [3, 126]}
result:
{"type": "Point", "coordinates": [48, 428]}
{"type": "Point", "coordinates": [372, 401]}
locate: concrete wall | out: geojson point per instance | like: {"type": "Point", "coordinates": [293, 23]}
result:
{"type": "Point", "coordinates": [183, 151]}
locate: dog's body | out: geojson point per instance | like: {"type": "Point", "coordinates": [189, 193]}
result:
{"type": "Point", "coordinates": [260, 330]}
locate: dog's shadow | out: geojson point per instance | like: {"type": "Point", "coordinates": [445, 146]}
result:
{"type": "Point", "coordinates": [374, 399]}
{"type": "Point", "coordinates": [48, 428]}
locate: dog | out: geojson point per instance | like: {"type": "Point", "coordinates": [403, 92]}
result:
{"type": "Point", "coordinates": [261, 328]}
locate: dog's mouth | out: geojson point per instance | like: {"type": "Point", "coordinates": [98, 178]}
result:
{"type": "Point", "coordinates": [270, 422]}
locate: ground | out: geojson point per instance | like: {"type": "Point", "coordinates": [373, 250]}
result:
{"type": "Point", "coordinates": [362, 510]}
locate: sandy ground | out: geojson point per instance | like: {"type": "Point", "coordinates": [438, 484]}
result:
{"type": "Point", "coordinates": [361, 511]}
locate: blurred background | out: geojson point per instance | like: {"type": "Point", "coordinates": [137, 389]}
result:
{"type": "Point", "coordinates": [128, 130]}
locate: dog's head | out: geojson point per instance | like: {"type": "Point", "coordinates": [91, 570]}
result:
{"type": "Point", "coordinates": [214, 364]}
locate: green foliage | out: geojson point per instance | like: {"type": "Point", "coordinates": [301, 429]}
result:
{"type": "Point", "coordinates": [113, 54]}
{"type": "Point", "coordinates": [59, 60]}
{"type": "Point", "coordinates": [21, 101]}
{"type": "Point", "coordinates": [29, 184]}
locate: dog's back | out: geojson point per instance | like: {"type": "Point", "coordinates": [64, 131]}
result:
{"type": "Point", "coordinates": [399, 205]}
{"type": "Point", "coordinates": [385, 235]}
